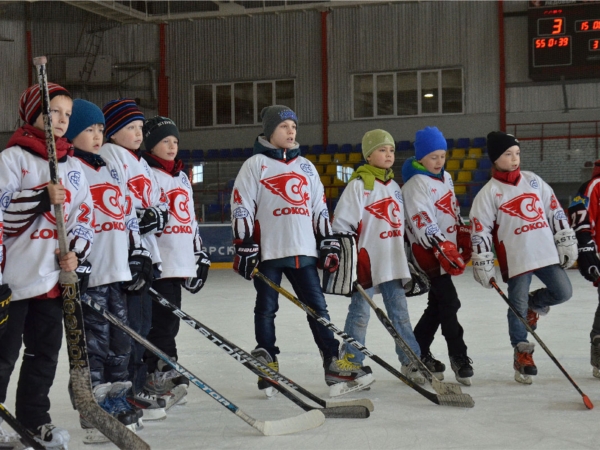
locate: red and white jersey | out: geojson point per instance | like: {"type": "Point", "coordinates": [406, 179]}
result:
{"type": "Point", "coordinates": [377, 219]}
{"type": "Point", "coordinates": [432, 213]}
{"type": "Point", "coordinates": [30, 235]}
{"type": "Point", "coordinates": [180, 239]}
{"type": "Point", "coordinates": [281, 200]}
{"type": "Point", "coordinates": [2, 259]}
{"type": "Point", "coordinates": [520, 220]}
{"type": "Point", "coordinates": [143, 188]}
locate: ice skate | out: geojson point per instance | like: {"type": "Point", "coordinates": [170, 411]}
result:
{"type": "Point", "coordinates": [463, 370]}
{"type": "Point", "coordinates": [595, 356]}
{"type": "Point", "coordinates": [176, 396]}
{"type": "Point", "coordinates": [51, 436]}
{"type": "Point", "coordinates": [264, 357]}
{"type": "Point", "coordinates": [152, 405]}
{"type": "Point", "coordinates": [411, 372]}
{"type": "Point", "coordinates": [170, 385]}
{"type": "Point", "coordinates": [435, 366]}
{"type": "Point", "coordinates": [8, 439]}
{"type": "Point", "coordinates": [523, 363]}
{"type": "Point", "coordinates": [343, 376]}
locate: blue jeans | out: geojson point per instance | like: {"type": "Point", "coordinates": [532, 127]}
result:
{"type": "Point", "coordinates": [306, 284]}
{"type": "Point", "coordinates": [558, 290]}
{"type": "Point", "coordinates": [397, 310]}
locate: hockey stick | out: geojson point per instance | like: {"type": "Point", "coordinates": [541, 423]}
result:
{"type": "Point", "coordinates": [26, 437]}
{"type": "Point", "coordinates": [302, 422]}
{"type": "Point", "coordinates": [354, 409]}
{"type": "Point", "coordinates": [73, 318]}
{"type": "Point", "coordinates": [439, 386]}
{"type": "Point", "coordinates": [462, 400]}
{"type": "Point", "coordinates": [586, 400]}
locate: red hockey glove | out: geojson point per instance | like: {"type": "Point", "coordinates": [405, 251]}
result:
{"type": "Point", "coordinates": [329, 254]}
{"type": "Point", "coordinates": [449, 258]}
{"type": "Point", "coordinates": [463, 242]}
{"type": "Point", "coordinates": [246, 258]}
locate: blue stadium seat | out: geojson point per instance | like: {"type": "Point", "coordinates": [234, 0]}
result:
{"type": "Point", "coordinates": [481, 175]}
{"type": "Point", "coordinates": [475, 188]}
{"type": "Point", "coordinates": [317, 149]}
{"type": "Point", "coordinates": [237, 153]}
{"type": "Point", "coordinates": [212, 154]}
{"type": "Point", "coordinates": [248, 152]}
{"type": "Point", "coordinates": [402, 146]}
{"type": "Point", "coordinates": [331, 148]}
{"type": "Point", "coordinates": [184, 155]}
{"type": "Point", "coordinates": [358, 148]}
{"type": "Point", "coordinates": [198, 154]}
{"type": "Point", "coordinates": [304, 149]}
{"type": "Point", "coordinates": [463, 143]}
{"type": "Point", "coordinates": [479, 142]}
{"type": "Point", "coordinates": [485, 164]}
{"type": "Point", "coordinates": [463, 200]}
{"type": "Point", "coordinates": [450, 143]}
{"type": "Point", "coordinates": [346, 148]}
{"type": "Point", "coordinates": [229, 184]}
{"type": "Point", "coordinates": [225, 153]}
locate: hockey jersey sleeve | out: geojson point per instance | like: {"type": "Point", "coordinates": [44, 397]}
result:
{"type": "Point", "coordinates": [584, 209]}
{"type": "Point", "coordinates": [2, 251]}
{"type": "Point", "coordinates": [320, 213]}
{"type": "Point", "coordinates": [244, 200]}
{"type": "Point", "coordinates": [557, 219]}
{"type": "Point", "coordinates": [421, 214]}
{"type": "Point", "coordinates": [79, 222]}
{"type": "Point", "coordinates": [348, 213]}
{"type": "Point", "coordinates": [483, 220]}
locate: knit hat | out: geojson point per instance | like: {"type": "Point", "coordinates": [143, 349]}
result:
{"type": "Point", "coordinates": [498, 142]}
{"type": "Point", "coordinates": [119, 113]}
{"type": "Point", "coordinates": [158, 128]}
{"type": "Point", "coordinates": [273, 115]}
{"type": "Point", "coordinates": [30, 103]}
{"type": "Point", "coordinates": [374, 139]}
{"type": "Point", "coordinates": [85, 114]}
{"type": "Point", "coordinates": [428, 140]}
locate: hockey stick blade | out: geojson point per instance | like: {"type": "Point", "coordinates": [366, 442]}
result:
{"type": "Point", "coordinates": [439, 386]}
{"type": "Point", "coordinates": [352, 409]}
{"type": "Point", "coordinates": [80, 378]}
{"type": "Point", "coordinates": [302, 422]}
{"type": "Point", "coordinates": [462, 401]}
{"type": "Point", "coordinates": [26, 437]}
{"type": "Point", "coordinates": [586, 400]}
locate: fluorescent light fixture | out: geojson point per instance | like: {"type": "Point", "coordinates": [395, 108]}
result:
{"type": "Point", "coordinates": [428, 95]}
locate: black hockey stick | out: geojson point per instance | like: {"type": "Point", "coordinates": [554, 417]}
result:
{"type": "Point", "coordinates": [439, 386]}
{"type": "Point", "coordinates": [464, 401]}
{"type": "Point", "coordinates": [80, 379]}
{"type": "Point", "coordinates": [351, 409]}
{"type": "Point", "coordinates": [302, 422]}
{"type": "Point", "coordinates": [27, 438]}
{"type": "Point", "coordinates": [586, 400]}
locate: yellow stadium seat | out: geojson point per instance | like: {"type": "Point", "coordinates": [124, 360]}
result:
{"type": "Point", "coordinates": [355, 157]}
{"type": "Point", "coordinates": [475, 152]}
{"type": "Point", "coordinates": [319, 168]}
{"type": "Point", "coordinates": [325, 158]}
{"type": "Point", "coordinates": [340, 158]}
{"type": "Point", "coordinates": [452, 164]}
{"type": "Point", "coordinates": [331, 169]}
{"type": "Point", "coordinates": [469, 164]}
{"type": "Point", "coordinates": [458, 153]}
{"type": "Point", "coordinates": [464, 176]}
{"type": "Point", "coordinates": [332, 192]}
{"type": "Point", "coordinates": [460, 189]}
{"type": "Point", "coordinates": [312, 158]}
{"type": "Point", "coordinates": [326, 180]}
{"type": "Point", "coordinates": [338, 182]}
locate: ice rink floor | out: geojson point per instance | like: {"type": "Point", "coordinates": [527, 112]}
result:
{"type": "Point", "coordinates": [547, 415]}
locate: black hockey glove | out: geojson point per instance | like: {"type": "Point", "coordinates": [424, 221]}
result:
{"type": "Point", "coordinates": [5, 296]}
{"type": "Point", "coordinates": [329, 254]}
{"type": "Point", "coordinates": [152, 220]}
{"type": "Point", "coordinates": [246, 258]}
{"type": "Point", "coordinates": [588, 262]}
{"type": "Point", "coordinates": [419, 283]}
{"type": "Point", "coordinates": [140, 266]}
{"type": "Point", "coordinates": [202, 265]}
{"type": "Point", "coordinates": [83, 272]}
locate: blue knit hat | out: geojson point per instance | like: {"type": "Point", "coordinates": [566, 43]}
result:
{"type": "Point", "coordinates": [428, 140]}
{"type": "Point", "coordinates": [119, 113]}
{"type": "Point", "coordinates": [84, 114]}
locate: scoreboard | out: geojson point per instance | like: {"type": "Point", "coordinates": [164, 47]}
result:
{"type": "Point", "coordinates": [564, 40]}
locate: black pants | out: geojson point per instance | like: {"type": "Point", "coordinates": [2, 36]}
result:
{"type": "Point", "coordinates": [165, 324]}
{"type": "Point", "coordinates": [38, 324]}
{"type": "Point", "coordinates": [139, 313]}
{"type": "Point", "coordinates": [442, 308]}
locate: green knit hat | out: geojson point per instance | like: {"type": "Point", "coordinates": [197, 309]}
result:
{"type": "Point", "coordinates": [374, 139]}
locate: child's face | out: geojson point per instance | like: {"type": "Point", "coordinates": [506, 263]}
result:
{"type": "Point", "coordinates": [284, 135]}
{"type": "Point", "coordinates": [90, 139]}
{"type": "Point", "coordinates": [167, 148]}
{"type": "Point", "coordinates": [434, 161]}
{"type": "Point", "coordinates": [383, 157]}
{"type": "Point", "coordinates": [130, 136]}
{"type": "Point", "coordinates": [60, 112]}
{"type": "Point", "coordinates": [509, 160]}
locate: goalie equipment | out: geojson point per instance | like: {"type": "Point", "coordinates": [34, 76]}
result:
{"type": "Point", "coordinates": [152, 220]}
{"type": "Point", "coordinates": [140, 265]}
{"type": "Point", "coordinates": [566, 244]}
{"type": "Point", "coordinates": [194, 284]}
{"type": "Point", "coordinates": [329, 254]}
{"type": "Point", "coordinates": [342, 280]}
{"type": "Point", "coordinates": [418, 284]}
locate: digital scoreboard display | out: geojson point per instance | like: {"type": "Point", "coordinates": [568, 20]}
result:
{"type": "Point", "coordinates": [564, 40]}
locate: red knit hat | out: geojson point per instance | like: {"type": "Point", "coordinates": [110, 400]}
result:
{"type": "Point", "coordinates": [30, 104]}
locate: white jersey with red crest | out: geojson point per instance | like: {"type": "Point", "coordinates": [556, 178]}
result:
{"type": "Point", "coordinates": [520, 220]}
{"type": "Point", "coordinates": [143, 188]}
{"type": "Point", "coordinates": [377, 219]}
{"type": "Point", "coordinates": [281, 200]}
{"type": "Point", "coordinates": [2, 259]}
{"type": "Point", "coordinates": [30, 235]}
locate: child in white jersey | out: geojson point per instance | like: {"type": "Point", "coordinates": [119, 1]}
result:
{"type": "Point", "coordinates": [5, 292]}
{"type": "Point", "coordinates": [517, 212]}
{"type": "Point", "coordinates": [436, 234]}
{"type": "Point", "coordinates": [371, 208]}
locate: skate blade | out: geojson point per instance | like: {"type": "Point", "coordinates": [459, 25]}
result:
{"type": "Point", "coordinates": [176, 396]}
{"type": "Point", "coordinates": [155, 414]}
{"type": "Point", "coordinates": [438, 375]}
{"type": "Point", "coordinates": [270, 392]}
{"type": "Point", "coordinates": [596, 372]}
{"type": "Point", "coordinates": [466, 381]}
{"type": "Point", "coordinates": [344, 388]}
{"type": "Point", "coordinates": [523, 379]}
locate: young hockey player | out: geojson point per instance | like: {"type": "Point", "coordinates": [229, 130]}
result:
{"type": "Point", "coordinates": [279, 220]}
{"type": "Point", "coordinates": [371, 209]}
{"type": "Point", "coordinates": [123, 132]}
{"type": "Point", "coordinates": [441, 245]}
{"type": "Point", "coordinates": [114, 233]}
{"type": "Point", "coordinates": [518, 212]}
{"type": "Point", "coordinates": [183, 261]}
{"type": "Point", "coordinates": [33, 267]}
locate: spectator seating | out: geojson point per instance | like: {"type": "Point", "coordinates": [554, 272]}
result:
{"type": "Point", "coordinates": [479, 142]}
{"type": "Point", "coordinates": [474, 152]}
{"type": "Point", "coordinates": [331, 148]}
{"type": "Point", "coordinates": [325, 158]}
{"type": "Point", "coordinates": [198, 155]}
{"type": "Point", "coordinates": [184, 155]}
{"type": "Point", "coordinates": [237, 153]}
{"type": "Point", "coordinates": [248, 152]}
{"type": "Point", "coordinates": [485, 164]}
{"type": "Point", "coordinates": [346, 148]}
{"type": "Point", "coordinates": [340, 158]}
{"type": "Point", "coordinates": [354, 158]}
{"type": "Point", "coordinates": [212, 154]}
{"type": "Point", "coordinates": [312, 158]}
{"type": "Point", "coordinates": [469, 164]}
{"type": "Point", "coordinates": [304, 150]}
{"type": "Point", "coordinates": [463, 143]}
{"type": "Point", "coordinates": [225, 153]}
{"type": "Point", "coordinates": [317, 149]}
{"type": "Point", "coordinates": [464, 176]}
{"type": "Point", "coordinates": [450, 143]}
{"type": "Point", "coordinates": [452, 165]}
{"type": "Point", "coordinates": [458, 153]}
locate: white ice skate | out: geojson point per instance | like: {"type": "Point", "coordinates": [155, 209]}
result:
{"type": "Point", "coordinates": [176, 396]}
{"type": "Point", "coordinates": [51, 436]}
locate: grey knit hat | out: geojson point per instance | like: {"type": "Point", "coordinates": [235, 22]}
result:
{"type": "Point", "coordinates": [273, 115]}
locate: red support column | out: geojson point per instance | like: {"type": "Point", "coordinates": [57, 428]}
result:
{"type": "Point", "coordinates": [163, 80]}
{"type": "Point", "coordinates": [324, 78]}
{"type": "Point", "coordinates": [502, 66]}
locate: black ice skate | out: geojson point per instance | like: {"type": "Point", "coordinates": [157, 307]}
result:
{"type": "Point", "coordinates": [463, 370]}
{"type": "Point", "coordinates": [435, 366]}
{"type": "Point", "coordinates": [595, 355]}
{"type": "Point", "coordinates": [264, 357]}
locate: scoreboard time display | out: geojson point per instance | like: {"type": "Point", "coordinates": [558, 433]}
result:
{"type": "Point", "coordinates": [564, 41]}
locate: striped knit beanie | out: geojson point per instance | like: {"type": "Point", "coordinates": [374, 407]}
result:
{"type": "Point", "coordinates": [30, 104]}
{"type": "Point", "coordinates": [119, 113]}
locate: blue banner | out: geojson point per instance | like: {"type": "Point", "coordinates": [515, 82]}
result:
{"type": "Point", "coordinates": [217, 241]}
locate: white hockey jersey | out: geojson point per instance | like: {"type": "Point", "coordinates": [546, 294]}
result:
{"type": "Point", "coordinates": [281, 204]}
{"type": "Point", "coordinates": [30, 235]}
{"type": "Point", "coordinates": [2, 260]}
{"type": "Point", "coordinates": [143, 188]}
{"type": "Point", "coordinates": [377, 219]}
{"type": "Point", "coordinates": [520, 220]}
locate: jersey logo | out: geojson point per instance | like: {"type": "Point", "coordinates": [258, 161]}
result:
{"type": "Point", "coordinates": [288, 186]}
{"type": "Point", "coordinates": [237, 198]}
{"type": "Point", "coordinates": [24, 172]}
{"type": "Point", "coordinates": [553, 203]}
{"type": "Point", "coordinates": [141, 188]}
{"type": "Point", "coordinates": [107, 199]}
{"type": "Point", "coordinates": [445, 204]}
{"type": "Point", "coordinates": [388, 210]}
{"type": "Point", "coordinates": [525, 207]}
{"type": "Point", "coordinates": [477, 224]}
{"type": "Point", "coordinates": [179, 204]}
